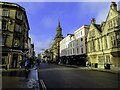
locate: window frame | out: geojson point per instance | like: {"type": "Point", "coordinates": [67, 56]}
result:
{"type": "Point", "coordinates": [17, 28]}
{"type": "Point", "coordinates": [5, 13]}
{"type": "Point", "coordinates": [19, 15]}
{"type": "Point", "coordinates": [4, 24]}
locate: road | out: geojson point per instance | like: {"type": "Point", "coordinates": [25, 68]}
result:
{"type": "Point", "coordinates": [56, 76]}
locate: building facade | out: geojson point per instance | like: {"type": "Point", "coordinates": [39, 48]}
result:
{"type": "Point", "coordinates": [103, 40]}
{"type": "Point", "coordinates": [73, 47]}
{"type": "Point", "coordinates": [13, 34]}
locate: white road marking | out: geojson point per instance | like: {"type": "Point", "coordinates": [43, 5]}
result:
{"type": "Point", "coordinates": [43, 85]}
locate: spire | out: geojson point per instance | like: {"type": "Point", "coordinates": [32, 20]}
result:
{"type": "Point", "coordinates": [59, 23]}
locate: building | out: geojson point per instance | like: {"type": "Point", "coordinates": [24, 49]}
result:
{"type": "Point", "coordinates": [55, 49]}
{"type": "Point", "coordinates": [13, 34]}
{"type": "Point", "coordinates": [103, 40]}
{"type": "Point", "coordinates": [73, 47]}
{"type": "Point", "coordinates": [80, 47]}
{"type": "Point", "coordinates": [29, 48]}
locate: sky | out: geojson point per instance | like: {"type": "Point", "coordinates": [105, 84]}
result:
{"type": "Point", "coordinates": [43, 18]}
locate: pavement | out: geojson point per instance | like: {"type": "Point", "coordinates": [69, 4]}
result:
{"type": "Point", "coordinates": [114, 70]}
{"type": "Point", "coordinates": [15, 79]}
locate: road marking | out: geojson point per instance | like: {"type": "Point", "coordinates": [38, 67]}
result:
{"type": "Point", "coordinates": [43, 85]}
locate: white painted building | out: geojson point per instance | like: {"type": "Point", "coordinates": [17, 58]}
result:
{"type": "Point", "coordinates": [80, 36]}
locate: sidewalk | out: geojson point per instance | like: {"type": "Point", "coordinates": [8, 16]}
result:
{"type": "Point", "coordinates": [15, 78]}
{"type": "Point", "coordinates": [114, 71]}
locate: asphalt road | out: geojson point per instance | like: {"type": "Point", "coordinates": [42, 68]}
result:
{"type": "Point", "coordinates": [56, 76]}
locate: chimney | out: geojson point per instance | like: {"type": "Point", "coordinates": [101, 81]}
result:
{"type": "Point", "coordinates": [113, 6]}
{"type": "Point", "coordinates": [93, 21]}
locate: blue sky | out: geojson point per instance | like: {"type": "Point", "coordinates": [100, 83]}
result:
{"type": "Point", "coordinates": [43, 18]}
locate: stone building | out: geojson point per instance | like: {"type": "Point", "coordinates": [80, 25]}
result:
{"type": "Point", "coordinates": [13, 34]}
{"type": "Point", "coordinates": [55, 49]}
{"type": "Point", "coordinates": [103, 40]}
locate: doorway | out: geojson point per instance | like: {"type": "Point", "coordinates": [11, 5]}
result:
{"type": "Point", "coordinates": [14, 62]}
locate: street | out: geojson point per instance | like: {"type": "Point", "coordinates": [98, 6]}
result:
{"type": "Point", "coordinates": [56, 76]}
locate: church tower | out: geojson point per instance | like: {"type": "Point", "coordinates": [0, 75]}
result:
{"type": "Point", "coordinates": [59, 32]}
{"type": "Point", "coordinates": [56, 45]}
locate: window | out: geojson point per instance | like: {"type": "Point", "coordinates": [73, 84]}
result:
{"type": "Point", "coordinates": [106, 45]}
{"type": "Point", "coordinates": [81, 32]}
{"type": "Point", "coordinates": [118, 38]}
{"type": "Point", "coordinates": [16, 42]}
{"type": "Point", "coordinates": [81, 39]}
{"type": "Point", "coordinates": [19, 15]}
{"type": "Point", "coordinates": [101, 59]}
{"type": "Point", "coordinates": [5, 12]}
{"type": "Point", "coordinates": [76, 42]}
{"type": "Point", "coordinates": [0, 25]}
{"type": "Point", "coordinates": [107, 59]}
{"type": "Point", "coordinates": [113, 42]}
{"type": "Point", "coordinates": [73, 43]}
{"type": "Point", "coordinates": [98, 44]}
{"type": "Point", "coordinates": [77, 50]}
{"type": "Point", "coordinates": [4, 25]}
{"type": "Point", "coordinates": [2, 40]}
{"type": "Point", "coordinates": [114, 21]}
{"type": "Point", "coordinates": [81, 50]}
{"type": "Point", "coordinates": [17, 28]}
{"type": "Point", "coordinates": [73, 51]}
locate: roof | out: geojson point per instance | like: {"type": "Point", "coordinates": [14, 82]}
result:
{"type": "Point", "coordinates": [98, 27]}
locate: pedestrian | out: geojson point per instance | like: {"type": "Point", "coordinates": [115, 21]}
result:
{"type": "Point", "coordinates": [27, 68]}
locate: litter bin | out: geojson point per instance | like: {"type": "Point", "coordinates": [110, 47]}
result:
{"type": "Point", "coordinates": [107, 66]}
{"type": "Point", "coordinates": [96, 65]}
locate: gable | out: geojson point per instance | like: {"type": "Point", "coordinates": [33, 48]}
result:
{"type": "Point", "coordinates": [93, 32]}
{"type": "Point", "coordinates": [111, 14]}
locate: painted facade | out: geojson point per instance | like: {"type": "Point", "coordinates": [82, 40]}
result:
{"type": "Point", "coordinates": [103, 41]}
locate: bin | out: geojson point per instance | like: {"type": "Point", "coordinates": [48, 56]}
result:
{"type": "Point", "coordinates": [107, 66]}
